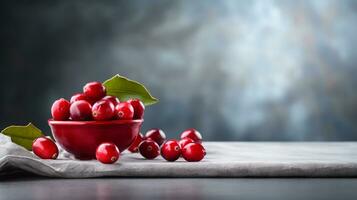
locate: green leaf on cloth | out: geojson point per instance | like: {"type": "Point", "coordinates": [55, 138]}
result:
{"type": "Point", "coordinates": [23, 135]}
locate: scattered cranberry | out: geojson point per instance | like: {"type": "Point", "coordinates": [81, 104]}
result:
{"type": "Point", "coordinates": [170, 150]}
{"type": "Point", "coordinates": [45, 148]}
{"type": "Point", "coordinates": [193, 152]}
{"type": "Point", "coordinates": [94, 90]}
{"type": "Point", "coordinates": [81, 110]}
{"type": "Point", "coordinates": [107, 153]}
{"type": "Point", "coordinates": [103, 110]}
{"type": "Point", "coordinates": [149, 149]}
{"type": "Point", "coordinates": [139, 108]}
{"type": "Point", "coordinates": [157, 135]}
{"type": "Point", "coordinates": [112, 99]}
{"type": "Point", "coordinates": [193, 134]}
{"type": "Point", "coordinates": [60, 109]}
{"type": "Point", "coordinates": [134, 146]}
{"type": "Point", "coordinates": [124, 110]}
{"type": "Point", "coordinates": [185, 141]}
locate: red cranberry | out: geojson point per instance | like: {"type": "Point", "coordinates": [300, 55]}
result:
{"type": "Point", "coordinates": [193, 134]}
{"type": "Point", "coordinates": [94, 90]}
{"type": "Point", "coordinates": [79, 96]}
{"type": "Point", "coordinates": [134, 146]}
{"type": "Point", "coordinates": [103, 110]}
{"type": "Point", "coordinates": [124, 110]}
{"type": "Point", "coordinates": [81, 110]}
{"type": "Point", "coordinates": [170, 150]}
{"type": "Point", "coordinates": [139, 108]}
{"type": "Point", "coordinates": [60, 109]}
{"type": "Point", "coordinates": [112, 99]}
{"type": "Point", "coordinates": [157, 135]}
{"type": "Point", "coordinates": [107, 153]}
{"type": "Point", "coordinates": [45, 148]}
{"type": "Point", "coordinates": [149, 149]}
{"type": "Point", "coordinates": [185, 141]}
{"type": "Point", "coordinates": [193, 152]}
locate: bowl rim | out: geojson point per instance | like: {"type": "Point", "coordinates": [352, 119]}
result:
{"type": "Point", "coordinates": [126, 121]}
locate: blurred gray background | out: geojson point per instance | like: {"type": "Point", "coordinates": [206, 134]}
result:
{"type": "Point", "coordinates": [235, 70]}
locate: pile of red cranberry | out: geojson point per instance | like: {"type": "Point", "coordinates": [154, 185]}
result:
{"type": "Point", "coordinates": [189, 147]}
{"type": "Point", "coordinates": [93, 104]}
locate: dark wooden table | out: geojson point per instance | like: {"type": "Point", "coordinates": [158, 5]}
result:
{"type": "Point", "coordinates": [172, 188]}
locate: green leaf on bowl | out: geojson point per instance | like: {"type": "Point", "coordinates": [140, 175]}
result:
{"type": "Point", "coordinates": [23, 135]}
{"type": "Point", "coordinates": [126, 89]}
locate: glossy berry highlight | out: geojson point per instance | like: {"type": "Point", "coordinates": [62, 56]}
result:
{"type": "Point", "coordinates": [124, 110]}
{"type": "Point", "coordinates": [103, 110]}
{"type": "Point", "coordinates": [45, 148]}
{"type": "Point", "coordinates": [157, 135]}
{"type": "Point", "coordinates": [139, 108]}
{"type": "Point", "coordinates": [193, 134]}
{"type": "Point", "coordinates": [112, 99]}
{"type": "Point", "coordinates": [193, 152]}
{"type": "Point", "coordinates": [185, 141]}
{"type": "Point", "coordinates": [134, 147]}
{"type": "Point", "coordinates": [149, 149]}
{"type": "Point", "coordinates": [78, 96]}
{"type": "Point", "coordinates": [107, 153]}
{"type": "Point", "coordinates": [94, 90]}
{"type": "Point", "coordinates": [170, 150]}
{"type": "Point", "coordinates": [81, 110]}
{"type": "Point", "coordinates": [60, 110]}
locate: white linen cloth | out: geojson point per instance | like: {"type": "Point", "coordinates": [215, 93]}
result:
{"type": "Point", "coordinates": [223, 159]}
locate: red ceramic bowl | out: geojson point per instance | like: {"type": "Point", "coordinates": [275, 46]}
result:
{"type": "Point", "coordinates": [81, 138]}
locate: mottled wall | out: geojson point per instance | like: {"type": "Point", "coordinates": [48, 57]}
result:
{"type": "Point", "coordinates": [236, 70]}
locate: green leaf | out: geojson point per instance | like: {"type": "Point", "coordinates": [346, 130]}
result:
{"type": "Point", "coordinates": [23, 135]}
{"type": "Point", "coordinates": [126, 89]}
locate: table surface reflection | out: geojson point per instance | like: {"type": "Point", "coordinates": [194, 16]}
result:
{"type": "Point", "coordinates": [184, 188]}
